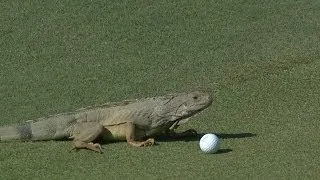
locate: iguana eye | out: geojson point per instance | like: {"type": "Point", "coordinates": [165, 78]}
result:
{"type": "Point", "coordinates": [195, 97]}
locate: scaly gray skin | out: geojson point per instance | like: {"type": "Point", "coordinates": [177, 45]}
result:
{"type": "Point", "coordinates": [137, 121]}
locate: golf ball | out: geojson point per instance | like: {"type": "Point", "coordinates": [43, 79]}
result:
{"type": "Point", "coordinates": [209, 143]}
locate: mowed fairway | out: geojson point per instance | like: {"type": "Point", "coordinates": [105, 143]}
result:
{"type": "Point", "coordinates": [259, 59]}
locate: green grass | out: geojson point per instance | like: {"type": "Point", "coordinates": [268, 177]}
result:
{"type": "Point", "coordinates": [259, 59]}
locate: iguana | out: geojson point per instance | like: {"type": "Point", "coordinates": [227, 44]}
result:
{"type": "Point", "coordinates": [137, 121]}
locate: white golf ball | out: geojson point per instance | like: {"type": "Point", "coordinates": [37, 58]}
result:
{"type": "Point", "coordinates": [209, 143]}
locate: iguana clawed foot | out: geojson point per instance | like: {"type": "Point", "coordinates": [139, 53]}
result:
{"type": "Point", "coordinates": [187, 133]}
{"type": "Point", "coordinates": [190, 132]}
{"type": "Point", "coordinates": [97, 146]}
{"type": "Point", "coordinates": [83, 145]}
{"type": "Point", "coordinates": [146, 143]}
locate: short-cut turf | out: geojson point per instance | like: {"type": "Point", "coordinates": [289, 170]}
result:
{"type": "Point", "coordinates": [259, 59]}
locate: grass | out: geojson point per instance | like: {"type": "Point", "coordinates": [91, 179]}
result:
{"type": "Point", "coordinates": [260, 61]}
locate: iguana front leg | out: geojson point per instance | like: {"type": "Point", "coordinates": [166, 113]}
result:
{"type": "Point", "coordinates": [131, 137]}
{"type": "Point", "coordinates": [84, 133]}
{"type": "Point", "coordinates": [188, 133]}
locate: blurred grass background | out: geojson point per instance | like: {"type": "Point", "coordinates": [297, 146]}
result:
{"type": "Point", "coordinates": [260, 61]}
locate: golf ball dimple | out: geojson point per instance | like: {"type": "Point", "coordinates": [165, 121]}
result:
{"type": "Point", "coordinates": [209, 143]}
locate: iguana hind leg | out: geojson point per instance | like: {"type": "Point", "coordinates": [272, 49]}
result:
{"type": "Point", "coordinates": [84, 145]}
{"type": "Point", "coordinates": [132, 138]}
{"type": "Point", "coordinates": [84, 133]}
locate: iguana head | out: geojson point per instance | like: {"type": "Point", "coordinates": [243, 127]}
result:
{"type": "Point", "coordinates": [177, 107]}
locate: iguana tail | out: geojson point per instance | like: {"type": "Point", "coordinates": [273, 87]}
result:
{"type": "Point", "coordinates": [23, 131]}
{"type": "Point", "coordinates": [15, 132]}
{"type": "Point", "coordinates": [48, 129]}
